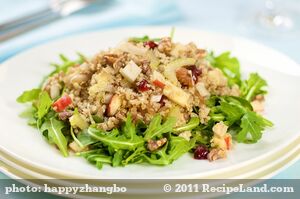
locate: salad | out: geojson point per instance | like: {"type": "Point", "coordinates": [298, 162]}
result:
{"type": "Point", "coordinates": [148, 101]}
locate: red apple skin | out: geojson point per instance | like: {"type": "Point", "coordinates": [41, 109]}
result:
{"type": "Point", "coordinates": [113, 105]}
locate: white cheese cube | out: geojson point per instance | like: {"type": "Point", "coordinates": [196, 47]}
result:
{"type": "Point", "coordinates": [131, 71]}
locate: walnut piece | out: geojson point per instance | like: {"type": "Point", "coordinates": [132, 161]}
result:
{"type": "Point", "coordinates": [65, 115]}
{"type": "Point", "coordinates": [156, 144]}
{"type": "Point", "coordinates": [110, 59]}
{"type": "Point", "coordinates": [220, 129]}
{"type": "Point", "coordinates": [184, 76]}
{"type": "Point", "coordinates": [165, 45]}
{"type": "Point", "coordinates": [215, 154]}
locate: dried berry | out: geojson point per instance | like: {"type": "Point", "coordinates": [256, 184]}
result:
{"type": "Point", "coordinates": [150, 44]}
{"type": "Point", "coordinates": [201, 152]}
{"type": "Point", "coordinates": [143, 85]}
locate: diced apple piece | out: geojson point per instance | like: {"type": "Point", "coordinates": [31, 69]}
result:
{"type": "Point", "coordinates": [177, 95]}
{"type": "Point", "coordinates": [154, 61]}
{"type": "Point", "coordinates": [114, 105]}
{"type": "Point", "coordinates": [130, 71]}
{"type": "Point", "coordinates": [170, 69]}
{"type": "Point", "coordinates": [103, 80]}
{"type": "Point", "coordinates": [77, 120]}
{"type": "Point", "coordinates": [131, 48]}
{"type": "Point", "coordinates": [171, 91]}
{"type": "Point", "coordinates": [202, 90]}
{"type": "Point", "coordinates": [158, 76]}
{"type": "Point", "coordinates": [158, 83]}
{"type": "Point", "coordinates": [158, 79]}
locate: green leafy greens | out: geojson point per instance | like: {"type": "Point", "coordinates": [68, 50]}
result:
{"type": "Point", "coordinates": [129, 143]}
{"type": "Point", "coordinates": [29, 96]}
{"type": "Point", "coordinates": [230, 66]}
{"type": "Point", "coordinates": [253, 86]}
{"type": "Point", "coordinates": [54, 128]}
{"type": "Point", "coordinates": [238, 115]}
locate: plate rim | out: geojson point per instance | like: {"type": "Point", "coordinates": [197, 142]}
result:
{"type": "Point", "coordinates": [234, 38]}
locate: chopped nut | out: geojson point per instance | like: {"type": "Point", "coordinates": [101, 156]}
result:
{"type": "Point", "coordinates": [156, 144]}
{"type": "Point", "coordinates": [75, 147]}
{"type": "Point", "coordinates": [215, 154]}
{"type": "Point", "coordinates": [259, 98]}
{"type": "Point", "coordinates": [65, 115]}
{"type": "Point", "coordinates": [258, 106]}
{"type": "Point", "coordinates": [220, 129]}
{"type": "Point", "coordinates": [216, 77]}
{"type": "Point", "coordinates": [204, 114]}
{"type": "Point", "coordinates": [201, 53]}
{"type": "Point", "coordinates": [146, 67]}
{"type": "Point", "coordinates": [218, 142]}
{"type": "Point", "coordinates": [184, 76]}
{"type": "Point", "coordinates": [165, 45]}
{"type": "Point", "coordinates": [110, 59]}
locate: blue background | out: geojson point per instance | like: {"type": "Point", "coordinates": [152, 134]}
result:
{"type": "Point", "coordinates": [234, 17]}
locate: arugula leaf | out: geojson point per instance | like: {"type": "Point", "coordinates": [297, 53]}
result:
{"type": "Point", "coordinates": [143, 39]}
{"type": "Point", "coordinates": [156, 129]}
{"type": "Point", "coordinates": [253, 86]}
{"type": "Point", "coordinates": [85, 139]}
{"type": "Point", "coordinates": [238, 101]}
{"type": "Point", "coordinates": [254, 124]}
{"type": "Point", "coordinates": [193, 123]}
{"type": "Point", "coordinates": [90, 152]}
{"type": "Point", "coordinates": [176, 147]}
{"type": "Point", "coordinates": [54, 127]}
{"type": "Point", "coordinates": [116, 141]}
{"type": "Point", "coordinates": [136, 156]}
{"type": "Point", "coordinates": [117, 158]}
{"type": "Point", "coordinates": [230, 66]}
{"type": "Point", "coordinates": [67, 63]}
{"type": "Point", "coordinates": [202, 137]}
{"type": "Point", "coordinates": [98, 159]}
{"type": "Point", "coordinates": [172, 33]}
{"type": "Point", "coordinates": [29, 96]}
{"type": "Point", "coordinates": [30, 115]}
{"type": "Point", "coordinates": [232, 112]}
{"type": "Point", "coordinates": [129, 128]}
{"type": "Point", "coordinates": [43, 105]}
{"type": "Point", "coordinates": [239, 116]}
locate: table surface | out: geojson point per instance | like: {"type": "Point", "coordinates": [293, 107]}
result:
{"type": "Point", "coordinates": [232, 17]}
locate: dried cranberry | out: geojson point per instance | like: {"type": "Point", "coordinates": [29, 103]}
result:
{"type": "Point", "coordinates": [143, 85]}
{"type": "Point", "coordinates": [201, 152]}
{"type": "Point", "coordinates": [196, 72]}
{"type": "Point", "coordinates": [150, 44]}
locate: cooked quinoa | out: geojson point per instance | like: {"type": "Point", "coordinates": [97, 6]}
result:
{"type": "Point", "coordinates": [95, 85]}
{"type": "Point", "coordinates": [145, 98]}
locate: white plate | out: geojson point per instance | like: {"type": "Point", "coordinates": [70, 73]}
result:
{"type": "Point", "coordinates": [288, 156]}
{"type": "Point", "coordinates": [25, 71]}
{"type": "Point", "coordinates": [265, 172]}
